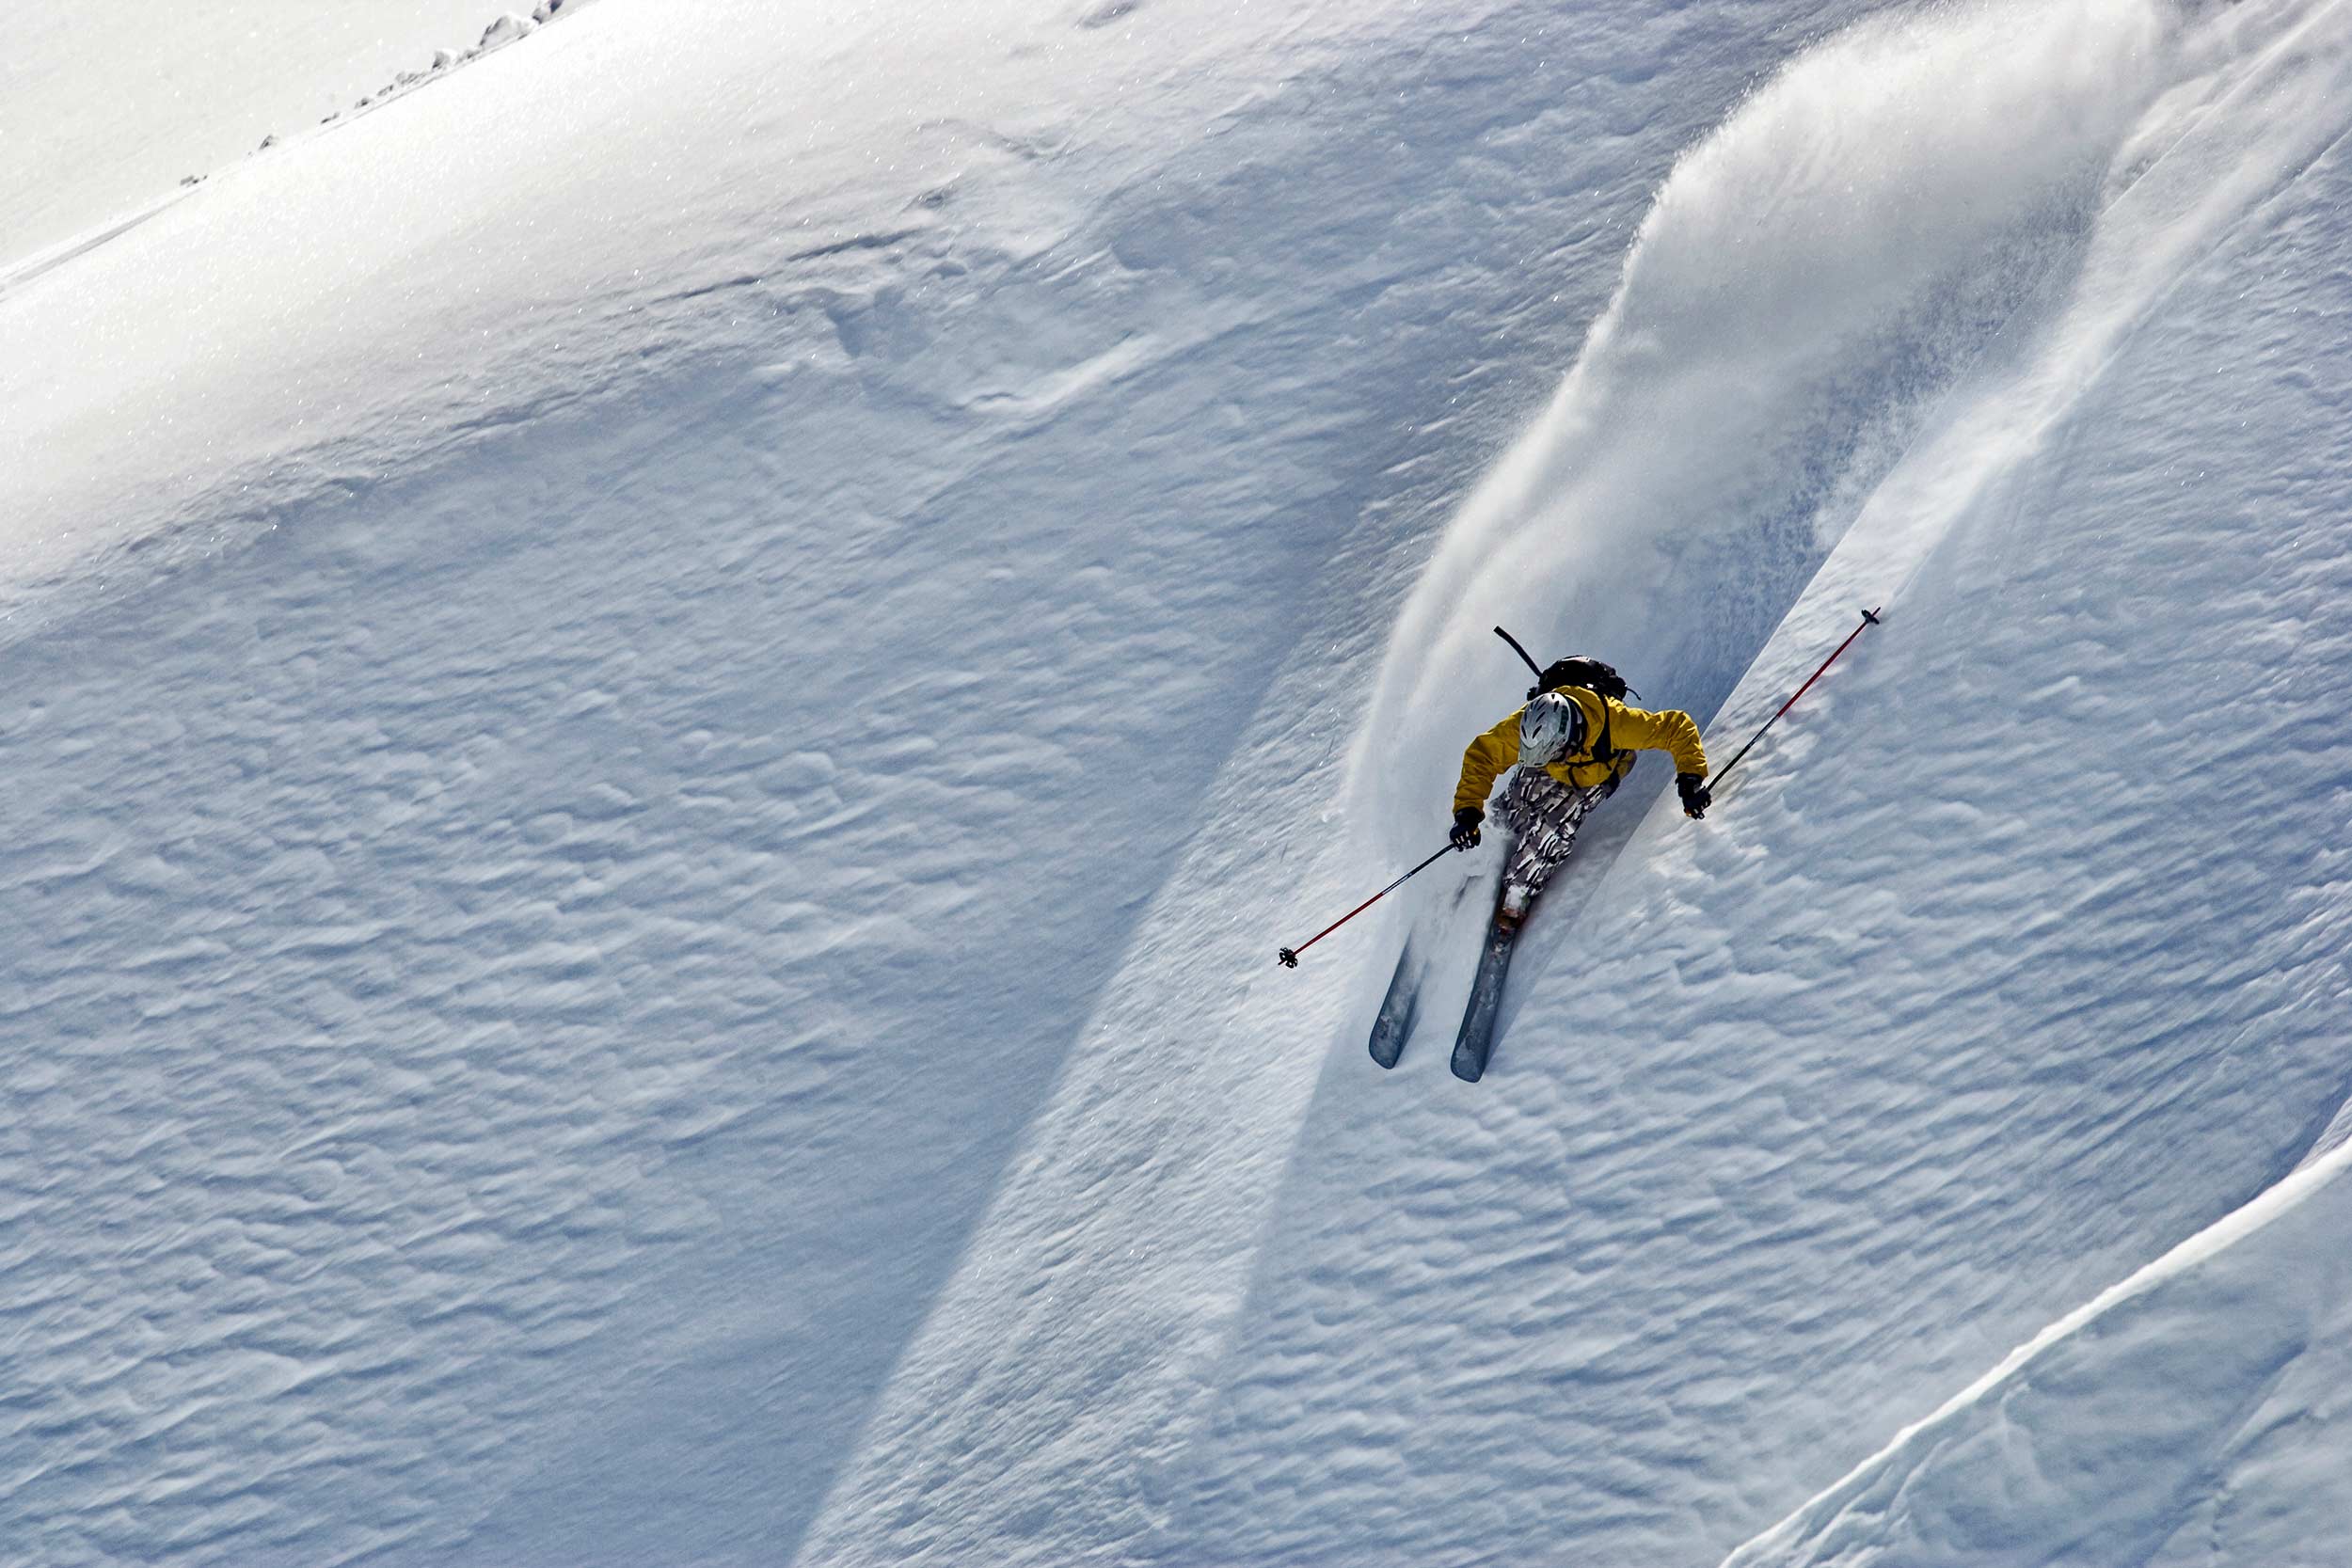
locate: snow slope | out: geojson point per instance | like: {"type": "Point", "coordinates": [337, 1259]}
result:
{"type": "Point", "coordinates": [648, 820]}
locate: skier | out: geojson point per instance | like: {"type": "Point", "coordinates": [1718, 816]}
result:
{"type": "Point", "coordinates": [1573, 743]}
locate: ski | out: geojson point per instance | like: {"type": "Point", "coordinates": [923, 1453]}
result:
{"type": "Point", "coordinates": [1477, 1039]}
{"type": "Point", "coordinates": [1400, 1005]}
{"type": "Point", "coordinates": [1395, 1026]}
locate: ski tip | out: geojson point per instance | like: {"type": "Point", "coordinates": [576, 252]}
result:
{"type": "Point", "coordinates": [1469, 1072]}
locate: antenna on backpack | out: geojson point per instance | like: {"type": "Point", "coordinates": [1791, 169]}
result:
{"type": "Point", "coordinates": [1521, 652]}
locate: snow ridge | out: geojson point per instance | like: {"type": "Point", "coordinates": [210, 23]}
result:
{"type": "Point", "coordinates": [100, 132]}
{"type": "Point", "coordinates": [505, 29]}
{"type": "Point", "coordinates": [2060, 1451]}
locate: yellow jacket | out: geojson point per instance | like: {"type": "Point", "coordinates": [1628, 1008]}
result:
{"type": "Point", "coordinates": [1626, 729]}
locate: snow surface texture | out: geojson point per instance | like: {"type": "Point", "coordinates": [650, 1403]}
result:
{"type": "Point", "coordinates": [2103, 1441]}
{"type": "Point", "coordinates": [648, 821]}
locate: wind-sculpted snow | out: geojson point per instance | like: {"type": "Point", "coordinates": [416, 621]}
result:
{"type": "Point", "coordinates": [2192, 1414]}
{"type": "Point", "coordinates": [646, 821]}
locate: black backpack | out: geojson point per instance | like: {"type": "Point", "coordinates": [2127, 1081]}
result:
{"type": "Point", "coordinates": [1593, 676]}
{"type": "Point", "coordinates": [1590, 674]}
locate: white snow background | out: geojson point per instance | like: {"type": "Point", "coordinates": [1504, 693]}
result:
{"type": "Point", "coordinates": [667, 697]}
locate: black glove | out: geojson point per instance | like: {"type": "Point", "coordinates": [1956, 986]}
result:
{"type": "Point", "coordinates": [1465, 834]}
{"type": "Point", "coordinates": [1693, 788]}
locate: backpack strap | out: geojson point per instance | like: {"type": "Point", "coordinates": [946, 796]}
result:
{"type": "Point", "coordinates": [1600, 751]}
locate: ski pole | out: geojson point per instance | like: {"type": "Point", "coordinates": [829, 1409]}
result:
{"type": "Point", "coordinates": [1289, 955]}
{"type": "Point", "coordinates": [1870, 619]}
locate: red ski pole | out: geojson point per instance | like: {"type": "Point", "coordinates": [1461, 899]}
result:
{"type": "Point", "coordinates": [1870, 619]}
{"type": "Point", "coordinates": [1289, 955]}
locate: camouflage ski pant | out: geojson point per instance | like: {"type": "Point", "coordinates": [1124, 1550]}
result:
{"type": "Point", "coordinates": [1543, 814]}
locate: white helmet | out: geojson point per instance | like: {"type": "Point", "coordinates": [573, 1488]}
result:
{"type": "Point", "coordinates": [1550, 727]}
